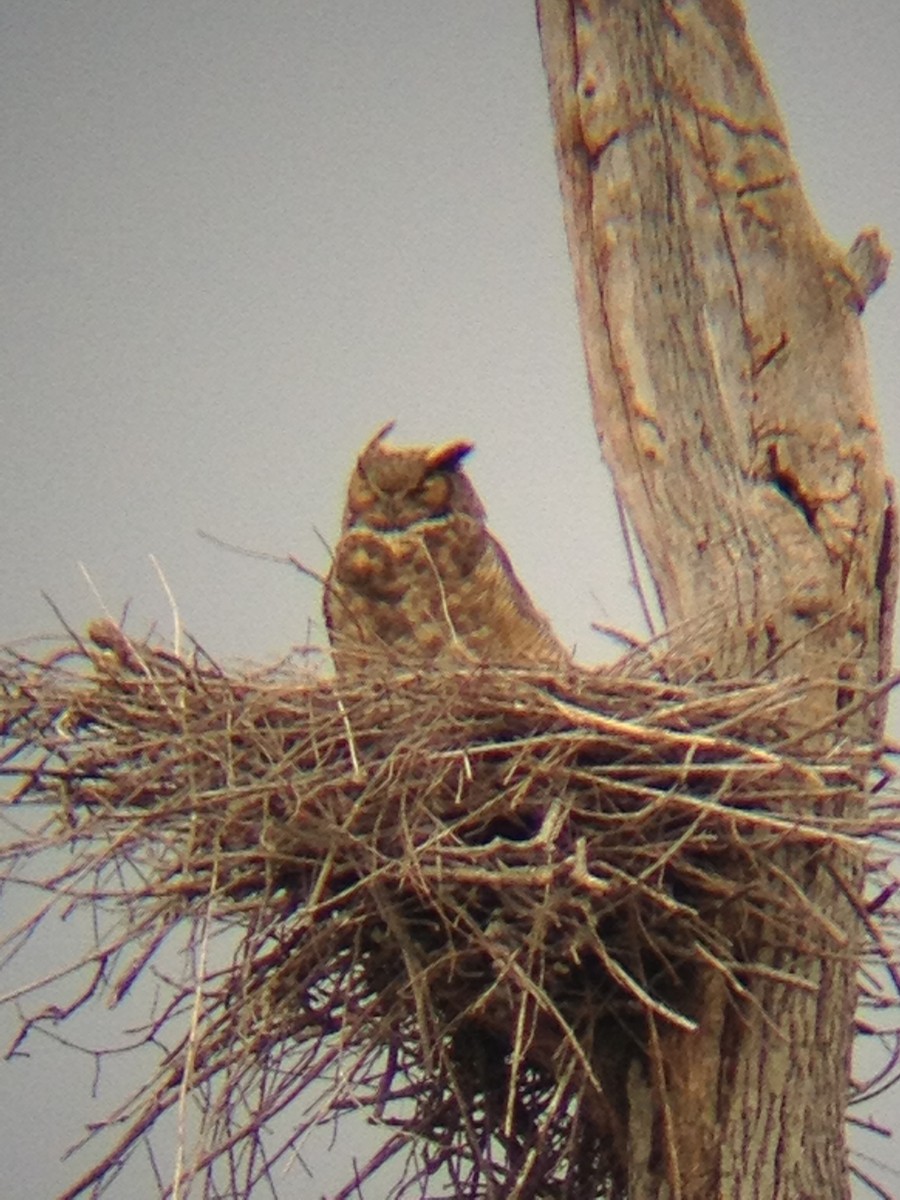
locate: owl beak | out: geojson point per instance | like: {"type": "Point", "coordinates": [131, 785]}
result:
{"type": "Point", "coordinates": [448, 458]}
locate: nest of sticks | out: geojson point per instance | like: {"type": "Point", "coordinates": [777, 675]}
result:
{"type": "Point", "coordinates": [461, 902]}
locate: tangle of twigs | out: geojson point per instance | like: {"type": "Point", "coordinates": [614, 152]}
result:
{"type": "Point", "coordinates": [460, 902]}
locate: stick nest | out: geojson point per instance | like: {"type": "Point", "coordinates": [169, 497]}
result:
{"type": "Point", "coordinates": [466, 903]}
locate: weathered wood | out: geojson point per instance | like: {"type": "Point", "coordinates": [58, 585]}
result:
{"type": "Point", "coordinates": [721, 330]}
{"type": "Point", "coordinates": [731, 395]}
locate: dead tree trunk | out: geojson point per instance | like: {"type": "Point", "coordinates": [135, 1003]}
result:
{"type": "Point", "coordinates": [727, 368]}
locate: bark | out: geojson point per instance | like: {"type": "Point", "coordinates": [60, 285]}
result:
{"type": "Point", "coordinates": [731, 395]}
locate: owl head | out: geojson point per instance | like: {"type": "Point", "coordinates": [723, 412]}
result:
{"type": "Point", "coordinates": [395, 487]}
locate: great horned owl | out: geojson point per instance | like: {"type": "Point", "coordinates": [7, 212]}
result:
{"type": "Point", "coordinates": [417, 578]}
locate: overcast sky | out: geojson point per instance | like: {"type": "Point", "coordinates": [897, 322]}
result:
{"type": "Point", "coordinates": [238, 238]}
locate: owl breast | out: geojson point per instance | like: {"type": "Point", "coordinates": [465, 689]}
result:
{"type": "Point", "coordinates": [417, 579]}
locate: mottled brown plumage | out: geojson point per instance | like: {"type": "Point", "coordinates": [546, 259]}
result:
{"type": "Point", "coordinates": [418, 579]}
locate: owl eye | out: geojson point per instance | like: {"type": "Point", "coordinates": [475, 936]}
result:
{"type": "Point", "coordinates": [361, 496]}
{"type": "Point", "coordinates": [435, 491]}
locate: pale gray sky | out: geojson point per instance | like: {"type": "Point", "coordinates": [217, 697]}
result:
{"type": "Point", "coordinates": [239, 238]}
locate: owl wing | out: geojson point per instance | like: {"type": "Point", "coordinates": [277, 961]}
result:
{"type": "Point", "coordinates": [500, 623]}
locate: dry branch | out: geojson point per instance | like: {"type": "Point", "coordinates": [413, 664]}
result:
{"type": "Point", "coordinates": [463, 901]}
{"type": "Point", "coordinates": [728, 375]}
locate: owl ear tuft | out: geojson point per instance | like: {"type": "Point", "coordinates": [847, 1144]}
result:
{"type": "Point", "coordinates": [448, 458]}
{"type": "Point", "coordinates": [379, 437]}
